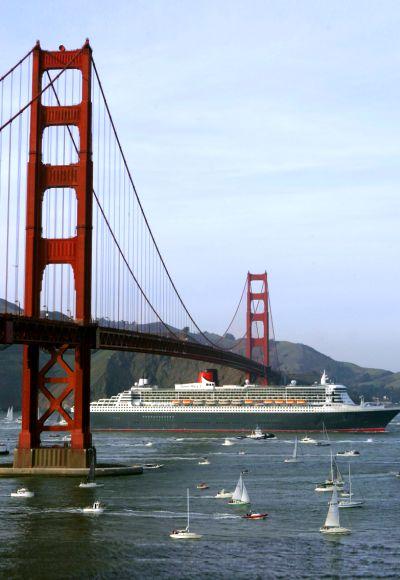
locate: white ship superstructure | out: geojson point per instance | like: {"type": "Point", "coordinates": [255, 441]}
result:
{"type": "Point", "coordinates": [205, 399]}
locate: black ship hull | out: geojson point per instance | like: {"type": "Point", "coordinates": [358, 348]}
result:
{"type": "Point", "coordinates": [369, 419]}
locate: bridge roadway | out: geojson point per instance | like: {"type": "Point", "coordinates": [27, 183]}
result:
{"type": "Point", "coordinates": [16, 329]}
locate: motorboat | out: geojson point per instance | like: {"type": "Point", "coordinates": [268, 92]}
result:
{"type": "Point", "coordinates": [222, 494]}
{"type": "Point", "coordinates": [22, 492]}
{"type": "Point", "coordinates": [332, 522]}
{"type": "Point", "coordinates": [294, 458]}
{"type": "Point", "coordinates": [335, 480]}
{"type": "Point", "coordinates": [204, 461]}
{"type": "Point", "coordinates": [240, 496]}
{"type": "Point", "coordinates": [148, 444]}
{"type": "Point", "coordinates": [185, 534]}
{"type": "Point", "coordinates": [96, 508]}
{"type": "Point", "coordinates": [202, 486]}
{"type": "Point", "coordinates": [4, 449]}
{"type": "Point", "coordinates": [244, 471]}
{"type": "Point", "coordinates": [306, 439]}
{"type": "Point", "coordinates": [348, 453]}
{"type": "Point", "coordinates": [241, 452]}
{"type": "Point", "coordinates": [254, 516]}
{"type": "Point", "coordinates": [257, 434]}
{"type": "Point", "coordinates": [153, 465]}
{"type": "Point", "coordinates": [350, 502]}
{"type": "Point", "coordinates": [228, 442]}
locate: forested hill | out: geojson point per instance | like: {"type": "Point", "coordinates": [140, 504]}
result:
{"type": "Point", "coordinates": [115, 371]}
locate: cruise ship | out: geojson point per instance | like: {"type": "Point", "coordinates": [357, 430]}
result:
{"type": "Point", "coordinates": [205, 406]}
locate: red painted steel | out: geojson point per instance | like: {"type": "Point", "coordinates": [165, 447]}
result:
{"type": "Point", "coordinates": [261, 341]}
{"type": "Point", "coordinates": [76, 251]}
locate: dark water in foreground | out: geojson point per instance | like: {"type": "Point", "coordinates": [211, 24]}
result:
{"type": "Point", "coordinates": [49, 537]}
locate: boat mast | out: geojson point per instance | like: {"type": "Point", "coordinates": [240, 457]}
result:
{"type": "Point", "coordinates": [350, 484]}
{"type": "Point", "coordinates": [187, 509]}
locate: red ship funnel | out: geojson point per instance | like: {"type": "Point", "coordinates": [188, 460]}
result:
{"type": "Point", "coordinates": [210, 375]}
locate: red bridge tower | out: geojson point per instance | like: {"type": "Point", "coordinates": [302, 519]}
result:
{"type": "Point", "coordinates": [76, 251]}
{"type": "Point", "coordinates": [257, 335]}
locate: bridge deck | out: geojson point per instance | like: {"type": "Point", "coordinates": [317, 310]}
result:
{"type": "Point", "coordinates": [49, 333]}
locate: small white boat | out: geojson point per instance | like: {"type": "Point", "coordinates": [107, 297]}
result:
{"type": "Point", "coordinates": [294, 458]}
{"type": "Point", "coordinates": [90, 484]}
{"type": "Point", "coordinates": [240, 496]}
{"type": "Point", "coordinates": [204, 461]}
{"type": "Point", "coordinates": [222, 494]}
{"type": "Point", "coordinates": [306, 439]}
{"type": "Point", "coordinates": [153, 465]}
{"type": "Point", "coordinates": [148, 444]}
{"type": "Point", "coordinates": [332, 522]}
{"type": "Point", "coordinates": [348, 453]}
{"type": "Point", "coordinates": [228, 443]}
{"type": "Point", "coordinates": [10, 414]}
{"type": "Point", "coordinates": [96, 508]}
{"type": "Point", "coordinates": [185, 534]}
{"type": "Point", "coordinates": [350, 502]}
{"type": "Point", "coordinates": [241, 452]}
{"type": "Point", "coordinates": [22, 492]}
{"type": "Point", "coordinates": [202, 486]}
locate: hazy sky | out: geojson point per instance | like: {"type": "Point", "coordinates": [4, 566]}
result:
{"type": "Point", "coordinates": [262, 136]}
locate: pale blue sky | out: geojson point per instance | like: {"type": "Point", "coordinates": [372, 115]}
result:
{"type": "Point", "coordinates": [262, 135]}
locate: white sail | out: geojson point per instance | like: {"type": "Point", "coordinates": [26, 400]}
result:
{"type": "Point", "coordinates": [245, 496]}
{"type": "Point", "coordinates": [237, 494]}
{"type": "Point", "coordinates": [337, 476]}
{"type": "Point", "coordinates": [295, 449]}
{"type": "Point", "coordinates": [332, 519]}
{"type": "Point", "coordinates": [10, 414]}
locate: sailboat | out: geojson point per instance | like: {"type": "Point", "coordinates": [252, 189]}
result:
{"type": "Point", "coordinates": [10, 414]}
{"type": "Point", "coordinates": [335, 480]}
{"type": "Point", "coordinates": [228, 443]}
{"type": "Point", "coordinates": [91, 478]}
{"type": "Point", "coordinates": [185, 534]}
{"type": "Point", "coordinates": [332, 522]}
{"type": "Point", "coordinates": [294, 458]}
{"type": "Point", "coordinates": [349, 502]}
{"type": "Point", "coordinates": [325, 442]}
{"type": "Point", "coordinates": [240, 495]}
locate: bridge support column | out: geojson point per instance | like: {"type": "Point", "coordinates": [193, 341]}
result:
{"type": "Point", "coordinates": [257, 337]}
{"type": "Point", "coordinates": [66, 374]}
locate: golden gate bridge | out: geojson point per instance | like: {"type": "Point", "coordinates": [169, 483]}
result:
{"type": "Point", "coordinates": [80, 268]}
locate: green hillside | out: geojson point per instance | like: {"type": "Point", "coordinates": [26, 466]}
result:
{"type": "Point", "coordinates": [115, 371]}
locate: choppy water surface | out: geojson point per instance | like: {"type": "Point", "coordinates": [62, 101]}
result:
{"type": "Point", "coordinates": [49, 537]}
